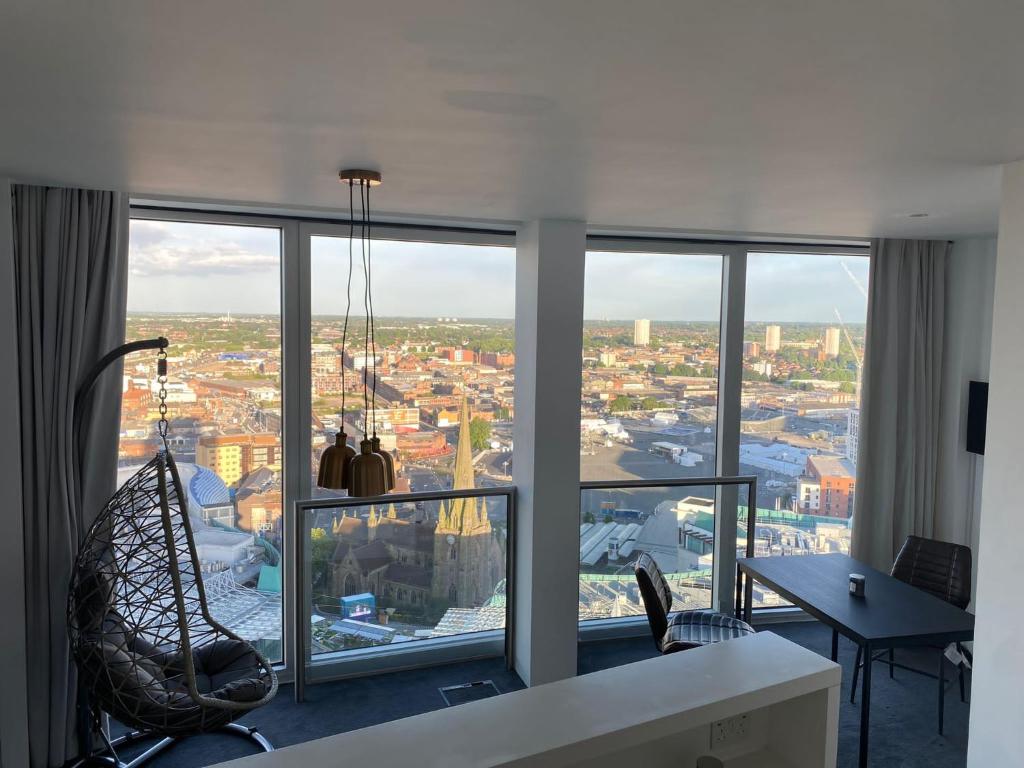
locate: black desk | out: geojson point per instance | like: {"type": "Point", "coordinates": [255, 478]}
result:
{"type": "Point", "coordinates": [891, 615]}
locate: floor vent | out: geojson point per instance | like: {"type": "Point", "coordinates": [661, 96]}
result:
{"type": "Point", "coordinates": [467, 692]}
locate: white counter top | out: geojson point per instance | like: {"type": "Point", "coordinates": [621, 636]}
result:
{"type": "Point", "coordinates": [582, 718]}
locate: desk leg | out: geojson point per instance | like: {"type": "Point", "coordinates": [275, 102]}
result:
{"type": "Point", "coordinates": [835, 645]}
{"type": "Point", "coordinates": [865, 707]}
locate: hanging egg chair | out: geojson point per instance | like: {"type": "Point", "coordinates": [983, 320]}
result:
{"type": "Point", "coordinates": [148, 651]}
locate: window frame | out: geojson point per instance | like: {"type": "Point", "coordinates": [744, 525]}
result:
{"type": "Point", "coordinates": [298, 227]}
{"type": "Point", "coordinates": [735, 253]}
{"type": "Point", "coordinates": [297, 232]}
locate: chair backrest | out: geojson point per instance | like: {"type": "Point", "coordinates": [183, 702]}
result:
{"type": "Point", "coordinates": [137, 606]}
{"type": "Point", "coordinates": [656, 595]}
{"type": "Point", "coordinates": [938, 567]}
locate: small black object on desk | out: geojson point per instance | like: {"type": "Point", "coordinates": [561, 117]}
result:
{"type": "Point", "coordinates": [857, 584]}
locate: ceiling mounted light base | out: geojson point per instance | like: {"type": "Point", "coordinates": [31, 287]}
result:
{"type": "Point", "coordinates": [359, 176]}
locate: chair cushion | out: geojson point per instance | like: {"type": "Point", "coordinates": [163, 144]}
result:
{"type": "Point", "coordinates": [230, 669]}
{"type": "Point", "coordinates": [689, 629]}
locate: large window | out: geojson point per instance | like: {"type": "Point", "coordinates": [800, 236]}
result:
{"type": "Point", "coordinates": [444, 359]}
{"type": "Point", "coordinates": [803, 351]}
{"type": "Point", "coordinates": [649, 411]}
{"type": "Point", "coordinates": [214, 291]}
{"type": "Point", "coordinates": [255, 312]}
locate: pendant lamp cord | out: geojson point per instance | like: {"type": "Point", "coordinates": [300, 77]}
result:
{"type": "Point", "coordinates": [369, 291]}
{"type": "Point", "coordinates": [366, 309]}
{"type": "Point", "coordinates": [348, 299]}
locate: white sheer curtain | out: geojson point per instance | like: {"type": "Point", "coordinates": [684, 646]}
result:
{"type": "Point", "coordinates": [70, 275]}
{"type": "Point", "coordinates": [897, 461]}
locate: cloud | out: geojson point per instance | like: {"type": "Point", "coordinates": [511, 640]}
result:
{"type": "Point", "coordinates": [174, 248]}
{"type": "Point", "coordinates": [187, 267]}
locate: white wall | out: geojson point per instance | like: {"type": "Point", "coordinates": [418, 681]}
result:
{"type": "Point", "coordinates": [997, 705]}
{"type": "Point", "coordinates": [550, 257]}
{"type": "Point", "coordinates": [968, 338]}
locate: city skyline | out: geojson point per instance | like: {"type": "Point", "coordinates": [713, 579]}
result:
{"type": "Point", "coordinates": [186, 265]}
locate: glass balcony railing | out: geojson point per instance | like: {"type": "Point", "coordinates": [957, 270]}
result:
{"type": "Point", "coordinates": [678, 522]}
{"type": "Point", "coordinates": [400, 571]}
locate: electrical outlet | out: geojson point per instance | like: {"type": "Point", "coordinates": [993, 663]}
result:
{"type": "Point", "coordinates": [731, 731]}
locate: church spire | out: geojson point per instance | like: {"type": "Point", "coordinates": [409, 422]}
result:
{"type": "Point", "coordinates": [461, 515]}
{"type": "Point", "coordinates": [464, 451]}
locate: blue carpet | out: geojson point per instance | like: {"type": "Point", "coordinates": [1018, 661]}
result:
{"type": "Point", "coordinates": [903, 711]}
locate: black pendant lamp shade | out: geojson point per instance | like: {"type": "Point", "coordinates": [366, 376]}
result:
{"type": "Point", "coordinates": [389, 460]}
{"type": "Point", "coordinates": [335, 464]}
{"type": "Point", "coordinates": [369, 473]}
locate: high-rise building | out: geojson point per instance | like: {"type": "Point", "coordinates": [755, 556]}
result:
{"type": "Point", "coordinates": [233, 456]}
{"type": "Point", "coordinates": [751, 349]}
{"type": "Point", "coordinates": [831, 343]}
{"type": "Point", "coordinates": [641, 333]}
{"type": "Point", "coordinates": [772, 338]}
{"type": "Point", "coordinates": [852, 435]}
{"type": "Point", "coordinates": [836, 479]}
{"type": "Point", "coordinates": [606, 359]}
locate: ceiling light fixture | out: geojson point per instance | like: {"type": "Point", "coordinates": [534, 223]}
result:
{"type": "Point", "coordinates": [359, 176]}
{"type": "Point", "coordinates": [918, 216]}
{"type": "Point", "coordinates": [371, 472]}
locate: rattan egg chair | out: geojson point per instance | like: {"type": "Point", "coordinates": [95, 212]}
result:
{"type": "Point", "coordinates": [147, 650]}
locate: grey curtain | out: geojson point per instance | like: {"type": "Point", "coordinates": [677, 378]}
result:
{"type": "Point", "coordinates": [70, 259]}
{"type": "Point", "coordinates": [897, 460]}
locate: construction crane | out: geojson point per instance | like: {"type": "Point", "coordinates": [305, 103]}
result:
{"type": "Point", "coordinates": [853, 348]}
{"type": "Point", "coordinates": [854, 278]}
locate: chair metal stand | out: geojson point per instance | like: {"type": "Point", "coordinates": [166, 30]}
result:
{"type": "Point", "coordinates": [113, 760]}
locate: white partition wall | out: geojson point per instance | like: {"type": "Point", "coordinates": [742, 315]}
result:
{"type": "Point", "coordinates": [549, 337]}
{"type": "Point", "coordinates": [997, 709]}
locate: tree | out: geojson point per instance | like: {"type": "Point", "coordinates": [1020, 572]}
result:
{"type": "Point", "coordinates": [608, 518]}
{"type": "Point", "coordinates": [588, 517]}
{"type": "Point", "coordinates": [479, 433]}
{"type": "Point", "coordinates": [649, 403]}
{"type": "Point", "coordinates": [620, 404]}
{"type": "Point", "coordinates": [323, 551]}
{"type": "Point", "coordinates": [848, 387]}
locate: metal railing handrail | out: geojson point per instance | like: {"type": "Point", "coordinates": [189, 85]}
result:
{"type": "Point", "coordinates": [329, 502]}
{"type": "Point", "coordinates": [303, 613]}
{"type": "Point", "coordinates": [743, 589]}
{"type": "Point", "coordinates": [667, 482]}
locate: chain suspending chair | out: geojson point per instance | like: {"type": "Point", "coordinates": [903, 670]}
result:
{"type": "Point", "coordinates": [148, 652]}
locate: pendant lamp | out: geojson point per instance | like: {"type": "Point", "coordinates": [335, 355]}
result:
{"type": "Point", "coordinates": [389, 460]}
{"type": "Point", "coordinates": [334, 463]}
{"type": "Point", "coordinates": [336, 460]}
{"type": "Point", "coordinates": [368, 470]}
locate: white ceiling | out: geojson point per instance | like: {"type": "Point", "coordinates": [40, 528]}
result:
{"type": "Point", "coordinates": [823, 117]}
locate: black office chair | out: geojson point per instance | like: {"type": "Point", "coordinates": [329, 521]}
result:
{"type": "Point", "coordinates": [687, 629]}
{"type": "Point", "coordinates": [942, 569]}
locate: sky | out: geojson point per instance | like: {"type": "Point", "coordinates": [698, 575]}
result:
{"type": "Point", "coordinates": [187, 267]}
